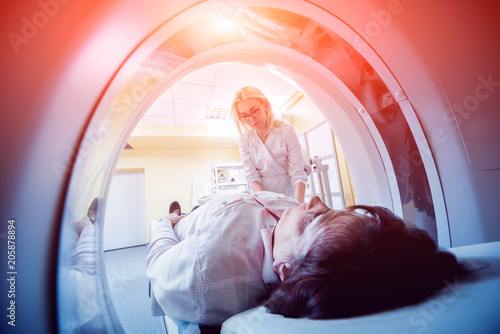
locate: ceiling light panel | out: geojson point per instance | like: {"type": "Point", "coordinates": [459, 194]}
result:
{"type": "Point", "coordinates": [218, 112]}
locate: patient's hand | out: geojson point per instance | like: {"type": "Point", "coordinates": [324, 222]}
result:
{"type": "Point", "coordinates": [173, 218]}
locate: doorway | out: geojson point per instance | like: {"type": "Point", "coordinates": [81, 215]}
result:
{"type": "Point", "coordinates": [125, 211]}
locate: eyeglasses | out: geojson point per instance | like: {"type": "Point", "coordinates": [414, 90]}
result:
{"type": "Point", "coordinates": [254, 113]}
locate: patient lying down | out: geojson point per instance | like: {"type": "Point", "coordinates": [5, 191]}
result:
{"type": "Point", "coordinates": [301, 260]}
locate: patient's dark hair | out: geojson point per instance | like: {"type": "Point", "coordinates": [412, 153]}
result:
{"type": "Point", "coordinates": [360, 266]}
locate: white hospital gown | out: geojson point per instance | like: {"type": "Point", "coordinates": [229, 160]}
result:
{"type": "Point", "coordinates": [278, 164]}
{"type": "Point", "coordinates": [217, 261]}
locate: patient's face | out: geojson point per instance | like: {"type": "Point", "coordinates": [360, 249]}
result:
{"type": "Point", "coordinates": [297, 228]}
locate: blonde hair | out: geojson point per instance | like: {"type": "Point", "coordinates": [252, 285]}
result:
{"type": "Point", "coordinates": [249, 92]}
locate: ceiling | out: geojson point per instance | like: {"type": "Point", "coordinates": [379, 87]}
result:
{"type": "Point", "coordinates": [186, 103]}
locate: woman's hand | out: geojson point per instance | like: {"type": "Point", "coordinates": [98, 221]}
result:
{"type": "Point", "coordinates": [256, 186]}
{"type": "Point", "coordinates": [300, 192]}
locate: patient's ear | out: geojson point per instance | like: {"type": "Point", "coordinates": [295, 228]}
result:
{"type": "Point", "coordinates": [281, 268]}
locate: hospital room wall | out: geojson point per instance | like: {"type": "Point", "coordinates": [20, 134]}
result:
{"type": "Point", "coordinates": [169, 175]}
{"type": "Point", "coordinates": [305, 114]}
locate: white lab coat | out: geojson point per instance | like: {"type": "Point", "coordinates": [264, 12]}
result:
{"type": "Point", "coordinates": [278, 164]}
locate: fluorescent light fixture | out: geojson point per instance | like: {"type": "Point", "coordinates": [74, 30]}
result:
{"type": "Point", "coordinates": [218, 112]}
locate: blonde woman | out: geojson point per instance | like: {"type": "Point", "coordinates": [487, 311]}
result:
{"type": "Point", "coordinates": [270, 150]}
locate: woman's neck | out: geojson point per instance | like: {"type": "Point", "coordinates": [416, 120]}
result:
{"type": "Point", "coordinates": [263, 134]}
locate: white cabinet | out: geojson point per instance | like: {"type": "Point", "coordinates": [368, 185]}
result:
{"type": "Point", "coordinates": [228, 179]}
